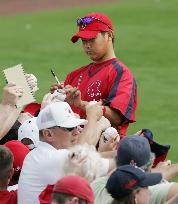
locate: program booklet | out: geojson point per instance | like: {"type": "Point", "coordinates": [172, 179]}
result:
{"type": "Point", "coordinates": [16, 74]}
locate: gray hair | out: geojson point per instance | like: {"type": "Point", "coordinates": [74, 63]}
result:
{"type": "Point", "coordinates": [149, 164]}
{"type": "Point", "coordinates": [84, 161]}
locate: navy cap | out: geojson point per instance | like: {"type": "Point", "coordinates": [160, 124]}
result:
{"type": "Point", "coordinates": [134, 148]}
{"type": "Point", "coordinates": [128, 178]}
{"type": "Point", "coordinates": [159, 150]}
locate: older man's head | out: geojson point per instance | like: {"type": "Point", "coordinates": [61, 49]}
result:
{"type": "Point", "coordinates": [58, 125]}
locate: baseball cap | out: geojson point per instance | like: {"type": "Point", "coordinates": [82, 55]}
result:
{"type": "Point", "coordinates": [19, 152]}
{"type": "Point", "coordinates": [128, 178]}
{"type": "Point", "coordinates": [45, 195]}
{"type": "Point", "coordinates": [76, 186]}
{"type": "Point", "coordinates": [29, 130]}
{"type": "Point", "coordinates": [134, 148]}
{"type": "Point", "coordinates": [32, 108]}
{"type": "Point", "coordinates": [159, 150]}
{"type": "Point", "coordinates": [90, 25]}
{"type": "Point", "coordinates": [58, 114]}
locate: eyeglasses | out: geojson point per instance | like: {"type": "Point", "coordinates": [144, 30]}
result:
{"type": "Point", "coordinates": [65, 129]}
{"type": "Point", "coordinates": [83, 22]}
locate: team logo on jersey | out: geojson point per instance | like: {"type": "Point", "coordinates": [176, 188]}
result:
{"type": "Point", "coordinates": [94, 89]}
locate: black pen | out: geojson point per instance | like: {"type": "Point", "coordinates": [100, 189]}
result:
{"type": "Point", "coordinates": [55, 76]}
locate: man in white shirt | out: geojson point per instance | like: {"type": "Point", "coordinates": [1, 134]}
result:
{"type": "Point", "coordinates": [58, 131]}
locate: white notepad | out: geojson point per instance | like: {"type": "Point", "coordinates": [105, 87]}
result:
{"type": "Point", "coordinates": [16, 74]}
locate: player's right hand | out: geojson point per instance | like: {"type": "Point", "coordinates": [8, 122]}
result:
{"type": "Point", "coordinates": [56, 86]}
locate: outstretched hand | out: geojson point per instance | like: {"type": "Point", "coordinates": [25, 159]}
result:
{"type": "Point", "coordinates": [108, 145]}
{"type": "Point", "coordinates": [32, 81]}
{"type": "Point", "coordinates": [94, 111]}
{"type": "Point", "coordinates": [47, 99]}
{"type": "Point", "coordinates": [11, 94]}
{"type": "Point", "coordinates": [56, 86]}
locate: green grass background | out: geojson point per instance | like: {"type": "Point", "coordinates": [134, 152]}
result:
{"type": "Point", "coordinates": [146, 41]}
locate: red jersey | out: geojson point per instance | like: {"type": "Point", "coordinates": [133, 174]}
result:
{"type": "Point", "coordinates": [111, 81]}
{"type": "Point", "coordinates": [8, 197]}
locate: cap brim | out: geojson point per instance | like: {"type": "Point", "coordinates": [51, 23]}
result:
{"type": "Point", "coordinates": [32, 108]}
{"type": "Point", "coordinates": [84, 35]}
{"type": "Point", "coordinates": [151, 179]}
{"type": "Point", "coordinates": [73, 122]}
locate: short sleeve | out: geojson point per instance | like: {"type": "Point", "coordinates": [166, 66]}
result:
{"type": "Point", "coordinates": [123, 91]}
{"type": "Point", "coordinates": [159, 192]}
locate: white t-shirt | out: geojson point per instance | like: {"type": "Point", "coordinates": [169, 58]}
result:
{"type": "Point", "coordinates": [42, 166]}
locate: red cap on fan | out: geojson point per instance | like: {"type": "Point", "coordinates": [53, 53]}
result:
{"type": "Point", "coordinates": [32, 108]}
{"type": "Point", "coordinates": [19, 152]}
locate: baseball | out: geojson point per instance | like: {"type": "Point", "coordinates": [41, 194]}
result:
{"type": "Point", "coordinates": [110, 132]}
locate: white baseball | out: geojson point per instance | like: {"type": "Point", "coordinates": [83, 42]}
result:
{"type": "Point", "coordinates": [110, 132]}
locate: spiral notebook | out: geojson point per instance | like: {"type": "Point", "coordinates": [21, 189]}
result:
{"type": "Point", "coordinates": [16, 74]}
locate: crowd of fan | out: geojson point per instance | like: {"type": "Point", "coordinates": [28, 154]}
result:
{"type": "Point", "coordinates": [50, 155]}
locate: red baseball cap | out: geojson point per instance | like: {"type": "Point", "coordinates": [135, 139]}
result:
{"type": "Point", "coordinates": [45, 196]}
{"type": "Point", "coordinates": [32, 108]}
{"type": "Point", "coordinates": [76, 186]}
{"type": "Point", "coordinates": [90, 25]}
{"type": "Point", "coordinates": [19, 152]}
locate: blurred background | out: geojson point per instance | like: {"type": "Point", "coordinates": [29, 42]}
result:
{"type": "Point", "coordinates": [37, 34]}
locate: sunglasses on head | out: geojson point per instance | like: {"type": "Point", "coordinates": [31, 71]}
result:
{"type": "Point", "coordinates": [65, 129]}
{"type": "Point", "coordinates": [83, 22]}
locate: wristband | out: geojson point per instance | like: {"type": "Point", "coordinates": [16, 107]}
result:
{"type": "Point", "coordinates": [104, 110]}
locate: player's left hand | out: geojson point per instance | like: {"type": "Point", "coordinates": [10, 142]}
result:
{"type": "Point", "coordinates": [73, 95]}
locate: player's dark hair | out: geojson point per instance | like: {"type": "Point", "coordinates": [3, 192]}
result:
{"type": "Point", "coordinates": [103, 33]}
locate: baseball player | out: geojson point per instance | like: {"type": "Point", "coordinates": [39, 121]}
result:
{"type": "Point", "coordinates": [105, 78]}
